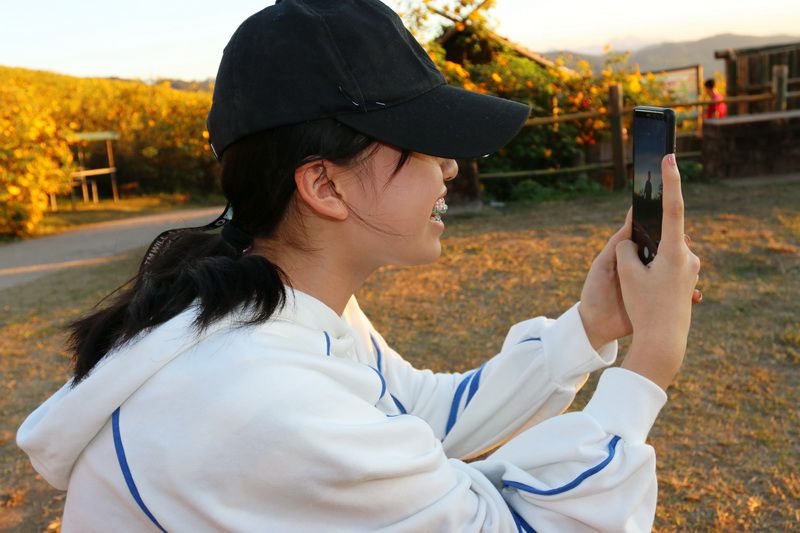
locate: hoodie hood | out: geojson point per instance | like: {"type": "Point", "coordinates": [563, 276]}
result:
{"type": "Point", "coordinates": [56, 433]}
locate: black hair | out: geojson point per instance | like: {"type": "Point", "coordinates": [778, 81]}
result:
{"type": "Point", "coordinates": [710, 83]}
{"type": "Point", "coordinates": [257, 178]}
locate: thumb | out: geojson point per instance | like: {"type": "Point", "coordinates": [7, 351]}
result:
{"type": "Point", "coordinates": [625, 232]}
{"type": "Point", "coordinates": [627, 256]}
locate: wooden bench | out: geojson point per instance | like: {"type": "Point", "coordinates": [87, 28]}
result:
{"type": "Point", "coordinates": [79, 177]}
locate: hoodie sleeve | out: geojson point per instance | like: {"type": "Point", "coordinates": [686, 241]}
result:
{"type": "Point", "coordinates": [539, 369]}
{"type": "Point", "coordinates": [341, 464]}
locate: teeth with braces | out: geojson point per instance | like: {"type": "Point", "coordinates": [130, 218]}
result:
{"type": "Point", "coordinates": [439, 209]}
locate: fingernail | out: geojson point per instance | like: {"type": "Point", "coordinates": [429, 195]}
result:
{"type": "Point", "coordinates": [671, 160]}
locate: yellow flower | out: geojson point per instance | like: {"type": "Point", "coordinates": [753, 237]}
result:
{"type": "Point", "coordinates": [496, 77]}
{"type": "Point", "coordinates": [13, 190]}
{"type": "Point", "coordinates": [458, 69]}
{"type": "Point", "coordinates": [150, 151]}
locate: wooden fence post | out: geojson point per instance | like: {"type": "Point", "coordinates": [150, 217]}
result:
{"type": "Point", "coordinates": [701, 83]}
{"type": "Point", "coordinates": [780, 86]}
{"type": "Point", "coordinates": [617, 149]}
{"type": "Point", "coordinates": [110, 154]}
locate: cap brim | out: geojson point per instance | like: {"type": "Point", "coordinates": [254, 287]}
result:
{"type": "Point", "coordinates": [446, 121]}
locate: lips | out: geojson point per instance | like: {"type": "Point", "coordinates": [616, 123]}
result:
{"type": "Point", "coordinates": [439, 208]}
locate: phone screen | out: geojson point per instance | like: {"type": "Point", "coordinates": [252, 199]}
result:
{"type": "Point", "coordinates": [649, 147]}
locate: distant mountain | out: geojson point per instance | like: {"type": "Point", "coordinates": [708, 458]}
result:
{"type": "Point", "coordinates": [678, 54]}
{"type": "Point", "coordinates": [206, 85]}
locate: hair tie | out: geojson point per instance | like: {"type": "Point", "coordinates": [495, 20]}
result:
{"type": "Point", "coordinates": [236, 237]}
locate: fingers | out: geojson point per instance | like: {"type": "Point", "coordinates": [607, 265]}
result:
{"type": "Point", "coordinates": [627, 256]}
{"type": "Point", "coordinates": [608, 251]}
{"type": "Point", "coordinates": [672, 202]}
{"type": "Point", "coordinates": [697, 296]}
{"type": "Point", "coordinates": [624, 232]}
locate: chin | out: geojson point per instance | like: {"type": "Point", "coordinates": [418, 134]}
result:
{"type": "Point", "coordinates": [434, 255]}
{"type": "Point", "coordinates": [423, 257]}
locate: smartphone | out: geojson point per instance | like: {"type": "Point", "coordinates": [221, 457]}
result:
{"type": "Point", "coordinates": [653, 138]}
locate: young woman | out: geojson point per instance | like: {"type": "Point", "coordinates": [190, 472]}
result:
{"type": "Point", "coordinates": [235, 385]}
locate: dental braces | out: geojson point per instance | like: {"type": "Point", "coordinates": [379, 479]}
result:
{"type": "Point", "coordinates": [439, 209]}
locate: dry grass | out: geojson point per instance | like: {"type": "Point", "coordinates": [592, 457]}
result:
{"type": "Point", "coordinates": [727, 439]}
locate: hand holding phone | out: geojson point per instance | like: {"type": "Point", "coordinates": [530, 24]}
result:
{"type": "Point", "coordinates": [603, 308]}
{"type": "Point", "coordinates": [653, 138]}
{"type": "Point", "coordinates": [658, 296]}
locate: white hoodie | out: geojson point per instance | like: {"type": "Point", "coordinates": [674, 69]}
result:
{"type": "Point", "coordinates": [311, 422]}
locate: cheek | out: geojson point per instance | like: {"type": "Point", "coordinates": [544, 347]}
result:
{"type": "Point", "coordinates": [402, 223]}
{"type": "Point", "coordinates": [405, 208]}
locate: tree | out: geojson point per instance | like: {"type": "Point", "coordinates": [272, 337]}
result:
{"type": "Point", "coordinates": [426, 18]}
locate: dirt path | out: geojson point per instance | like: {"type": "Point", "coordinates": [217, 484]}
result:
{"type": "Point", "coordinates": [97, 243]}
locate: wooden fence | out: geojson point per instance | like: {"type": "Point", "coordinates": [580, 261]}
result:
{"type": "Point", "coordinates": [779, 95]}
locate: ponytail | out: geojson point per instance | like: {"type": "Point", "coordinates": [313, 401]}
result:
{"type": "Point", "coordinates": [184, 266]}
{"type": "Point", "coordinates": [194, 266]}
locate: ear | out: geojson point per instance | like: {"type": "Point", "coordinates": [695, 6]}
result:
{"type": "Point", "coordinates": [317, 192]}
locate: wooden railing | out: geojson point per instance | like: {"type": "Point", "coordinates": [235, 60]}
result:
{"type": "Point", "coordinates": [779, 94]}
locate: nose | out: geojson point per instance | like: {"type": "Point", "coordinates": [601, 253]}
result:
{"type": "Point", "coordinates": [449, 169]}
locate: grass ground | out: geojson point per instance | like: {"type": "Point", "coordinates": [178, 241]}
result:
{"type": "Point", "coordinates": [727, 441]}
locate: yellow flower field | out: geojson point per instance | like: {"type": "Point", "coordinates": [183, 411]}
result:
{"type": "Point", "coordinates": [163, 138]}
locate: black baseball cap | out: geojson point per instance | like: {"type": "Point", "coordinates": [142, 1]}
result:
{"type": "Point", "coordinates": [354, 61]}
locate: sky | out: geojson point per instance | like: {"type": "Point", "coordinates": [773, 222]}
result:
{"type": "Point", "coordinates": [150, 39]}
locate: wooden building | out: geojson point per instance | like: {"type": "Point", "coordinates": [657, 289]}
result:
{"type": "Point", "coordinates": [479, 47]}
{"type": "Point", "coordinates": [750, 71]}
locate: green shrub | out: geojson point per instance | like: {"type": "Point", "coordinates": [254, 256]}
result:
{"type": "Point", "coordinates": [530, 190]}
{"type": "Point", "coordinates": [690, 170]}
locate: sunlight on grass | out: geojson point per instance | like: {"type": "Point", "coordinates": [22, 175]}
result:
{"type": "Point", "coordinates": [726, 440]}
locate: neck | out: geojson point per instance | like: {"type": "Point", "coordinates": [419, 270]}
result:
{"type": "Point", "coordinates": [321, 273]}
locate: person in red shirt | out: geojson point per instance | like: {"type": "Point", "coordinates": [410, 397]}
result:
{"type": "Point", "coordinates": [718, 109]}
